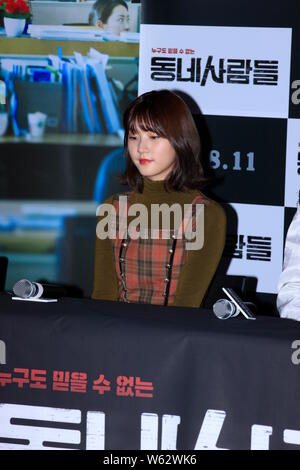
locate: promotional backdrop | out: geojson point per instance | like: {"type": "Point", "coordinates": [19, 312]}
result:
{"type": "Point", "coordinates": [81, 78]}
{"type": "Point", "coordinates": [239, 69]}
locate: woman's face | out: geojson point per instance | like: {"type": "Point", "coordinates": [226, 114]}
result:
{"type": "Point", "coordinates": [153, 155]}
{"type": "Point", "coordinates": [118, 21]}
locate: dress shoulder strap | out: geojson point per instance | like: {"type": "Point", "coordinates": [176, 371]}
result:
{"type": "Point", "coordinates": [193, 215]}
{"type": "Point", "coordinates": [116, 198]}
{"type": "Point", "coordinates": [200, 199]}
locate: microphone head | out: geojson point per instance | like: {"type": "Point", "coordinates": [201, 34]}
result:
{"type": "Point", "coordinates": [224, 309]}
{"type": "Point", "coordinates": [24, 289]}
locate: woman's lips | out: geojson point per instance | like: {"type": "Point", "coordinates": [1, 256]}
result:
{"type": "Point", "coordinates": [144, 161]}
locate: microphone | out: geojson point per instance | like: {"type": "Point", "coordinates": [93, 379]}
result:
{"type": "Point", "coordinates": [224, 309]}
{"type": "Point", "coordinates": [25, 289]}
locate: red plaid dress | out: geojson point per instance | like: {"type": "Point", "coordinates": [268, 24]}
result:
{"type": "Point", "coordinates": [148, 269]}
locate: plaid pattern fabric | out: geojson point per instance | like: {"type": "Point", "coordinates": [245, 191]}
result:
{"type": "Point", "coordinates": [146, 259]}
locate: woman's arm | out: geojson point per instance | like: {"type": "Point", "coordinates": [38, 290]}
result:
{"type": "Point", "coordinates": [105, 278]}
{"type": "Point", "coordinates": [200, 266]}
{"type": "Point", "coordinates": [288, 300]}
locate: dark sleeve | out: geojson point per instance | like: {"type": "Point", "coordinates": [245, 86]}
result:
{"type": "Point", "coordinates": [105, 278]}
{"type": "Point", "coordinates": [200, 266]}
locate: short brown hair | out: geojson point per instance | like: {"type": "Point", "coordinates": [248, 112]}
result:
{"type": "Point", "coordinates": [166, 114]}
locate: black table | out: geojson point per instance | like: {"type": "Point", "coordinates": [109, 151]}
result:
{"type": "Point", "coordinates": [83, 374]}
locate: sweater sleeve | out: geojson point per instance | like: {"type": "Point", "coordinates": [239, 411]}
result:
{"type": "Point", "coordinates": [288, 299]}
{"type": "Point", "coordinates": [105, 278]}
{"type": "Point", "coordinates": [200, 266]}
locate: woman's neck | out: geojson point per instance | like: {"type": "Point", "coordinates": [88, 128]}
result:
{"type": "Point", "coordinates": [153, 187]}
{"type": "Point", "coordinates": [155, 192]}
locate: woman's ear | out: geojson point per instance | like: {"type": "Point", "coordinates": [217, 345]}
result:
{"type": "Point", "coordinates": [99, 24]}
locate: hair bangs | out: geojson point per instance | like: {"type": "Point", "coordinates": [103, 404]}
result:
{"type": "Point", "coordinates": [144, 118]}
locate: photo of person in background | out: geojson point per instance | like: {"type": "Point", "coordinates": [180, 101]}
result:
{"type": "Point", "coordinates": [110, 15]}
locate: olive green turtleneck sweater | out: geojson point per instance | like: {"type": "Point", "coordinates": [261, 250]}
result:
{"type": "Point", "coordinates": [198, 270]}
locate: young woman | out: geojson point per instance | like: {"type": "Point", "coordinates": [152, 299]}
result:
{"type": "Point", "coordinates": [110, 15]}
{"type": "Point", "coordinates": [162, 148]}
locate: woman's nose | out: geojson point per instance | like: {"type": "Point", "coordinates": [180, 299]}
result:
{"type": "Point", "coordinates": [142, 145]}
{"type": "Point", "coordinates": [126, 25]}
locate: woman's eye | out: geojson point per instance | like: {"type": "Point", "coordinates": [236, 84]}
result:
{"type": "Point", "coordinates": [154, 136]}
{"type": "Point", "coordinates": [132, 137]}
